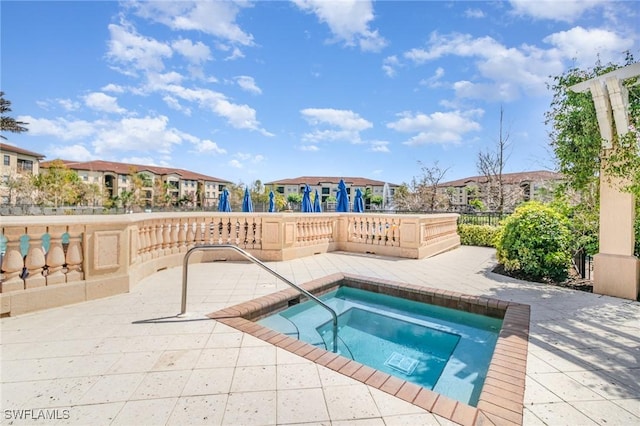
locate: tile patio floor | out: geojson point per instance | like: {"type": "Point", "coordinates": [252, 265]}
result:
{"type": "Point", "coordinates": [99, 363]}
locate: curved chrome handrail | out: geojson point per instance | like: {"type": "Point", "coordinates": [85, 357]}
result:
{"type": "Point", "coordinates": [206, 247]}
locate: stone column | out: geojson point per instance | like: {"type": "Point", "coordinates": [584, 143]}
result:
{"type": "Point", "coordinates": [616, 269]}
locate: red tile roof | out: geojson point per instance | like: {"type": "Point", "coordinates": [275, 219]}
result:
{"type": "Point", "coordinates": [126, 168]}
{"type": "Point", "coordinates": [12, 148]}
{"type": "Point", "coordinates": [319, 180]}
{"type": "Point", "coordinates": [509, 178]}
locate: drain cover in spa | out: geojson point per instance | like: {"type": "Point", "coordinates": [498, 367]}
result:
{"type": "Point", "coordinates": [402, 363]}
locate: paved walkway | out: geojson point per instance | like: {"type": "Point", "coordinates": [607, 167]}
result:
{"type": "Point", "coordinates": [100, 362]}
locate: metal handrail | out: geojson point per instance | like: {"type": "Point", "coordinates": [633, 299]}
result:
{"type": "Point", "coordinates": [206, 247]}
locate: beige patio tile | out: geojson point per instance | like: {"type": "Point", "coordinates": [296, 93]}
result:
{"type": "Point", "coordinates": [530, 419]}
{"type": "Point", "coordinates": [605, 412]}
{"type": "Point", "coordinates": [259, 378]}
{"type": "Point", "coordinates": [146, 412]}
{"type": "Point", "coordinates": [224, 340]}
{"type": "Point", "coordinates": [207, 381]}
{"type": "Point", "coordinates": [256, 355]}
{"type": "Point", "coordinates": [18, 394]}
{"type": "Point", "coordinates": [162, 384]}
{"type": "Point", "coordinates": [300, 405]}
{"type": "Point", "coordinates": [560, 413]}
{"type": "Point", "coordinates": [177, 360]}
{"type": "Point", "coordinates": [411, 420]}
{"type": "Point", "coordinates": [330, 377]}
{"type": "Point", "coordinates": [250, 408]}
{"type": "Point", "coordinates": [218, 357]}
{"type": "Point", "coordinates": [565, 387]}
{"type": "Point", "coordinates": [198, 410]}
{"type": "Point", "coordinates": [350, 402]}
{"type": "Point", "coordinates": [632, 405]}
{"type": "Point", "coordinates": [112, 388]}
{"type": "Point", "coordinates": [188, 341]}
{"type": "Point", "coordinates": [535, 393]}
{"type": "Point", "coordinates": [60, 392]}
{"type": "Point", "coordinates": [135, 362]}
{"type": "Point", "coordinates": [297, 376]}
{"type": "Point", "coordinates": [389, 405]}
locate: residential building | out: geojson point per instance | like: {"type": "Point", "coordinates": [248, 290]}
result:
{"type": "Point", "coordinates": [328, 186]}
{"type": "Point", "coordinates": [174, 185]}
{"type": "Point", "coordinates": [17, 163]}
{"type": "Point", "coordinates": [517, 188]}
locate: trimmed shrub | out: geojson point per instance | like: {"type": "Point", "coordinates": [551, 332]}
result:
{"type": "Point", "coordinates": [535, 243]}
{"type": "Point", "coordinates": [478, 235]}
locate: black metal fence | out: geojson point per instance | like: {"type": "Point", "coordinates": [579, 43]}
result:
{"type": "Point", "coordinates": [482, 218]}
{"type": "Point", "coordinates": [583, 264]}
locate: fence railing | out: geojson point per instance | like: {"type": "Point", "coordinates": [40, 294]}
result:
{"type": "Point", "coordinates": [482, 218]}
{"type": "Point", "coordinates": [583, 264]}
{"type": "Point", "coordinates": [48, 261]}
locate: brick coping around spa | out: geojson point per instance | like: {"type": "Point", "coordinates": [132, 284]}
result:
{"type": "Point", "coordinates": [501, 398]}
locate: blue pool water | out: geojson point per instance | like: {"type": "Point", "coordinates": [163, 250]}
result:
{"type": "Point", "coordinates": [442, 349]}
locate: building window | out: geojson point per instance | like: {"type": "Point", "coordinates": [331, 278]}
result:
{"type": "Point", "coordinates": [7, 160]}
{"type": "Point", "coordinates": [326, 191]}
{"type": "Point", "coordinates": [25, 165]}
{"type": "Point", "coordinates": [280, 190]}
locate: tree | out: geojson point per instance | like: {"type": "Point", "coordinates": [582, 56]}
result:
{"type": "Point", "coordinates": [7, 123]}
{"type": "Point", "coordinates": [422, 192]}
{"type": "Point", "coordinates": [491, 165]}
{"type": "Point", "coordinates": [577, 145]}
{"type": "Point", "coordinates": [58, 185]}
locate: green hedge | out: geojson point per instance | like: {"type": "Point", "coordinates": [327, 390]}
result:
{"type": "Point", "coordinates": [535, 242]}
{"type": "Point", "coordinates": [478, 235]}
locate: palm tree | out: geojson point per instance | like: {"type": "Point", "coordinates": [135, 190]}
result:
{"type": "Point", "coordinates": [9, 124]}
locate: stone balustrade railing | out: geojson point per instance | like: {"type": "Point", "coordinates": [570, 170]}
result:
{"type": "Point", "coordinates": [53, 261]}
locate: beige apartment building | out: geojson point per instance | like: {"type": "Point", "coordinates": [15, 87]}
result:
{"type": "Point", "coordinates": [328, 186]}
{"type": "Point", "coordinates": [517, 187]}
{"type": "Point", "coordinates": [116, 178]}
{"type": "Point", "coordinates": [17, 163]}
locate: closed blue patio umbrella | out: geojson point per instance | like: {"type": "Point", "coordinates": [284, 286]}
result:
{"type": "Point", "coordinates": [306, 207]}
{"type": "Point", "coordinates": [247, 205]}
{"type": "Point", "coordinates": [272, 203]}
{"type": "Point", "coordinates": [317, 208]}
{"type": "Point", "coordinates": [342, 198]}
{"type": "Point", "coordinates": [223, 203]}
{"type": "Point", "coordinates": [358, 202]}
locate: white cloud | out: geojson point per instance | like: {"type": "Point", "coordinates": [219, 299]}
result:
{"type": "Point", "coordinates": [60, 128]}
{"type": "Point", "coordinates": [216, 18]}
{"type": "Point", "coordinates": [348, 123]}
{"type": "Point", "coordinates": [128, 48]}
{"type": "Point", "coordinates": [589, 45]}
{"type": "Point", "coordinates": [348, 20]}
{"type": "Point", "coordinates": [434, 80]}
{"type": "Point", "coordinates": [137, 134]}
{"type": "Point", "coordinates": [509, 70]}
{"type": "Point", "coordinates": [380, 146]}
{"type": "Point", "coordinates": [565, 10]}
{"type": "Point", "coordinates": [69, 105]}
{"type": "Point", "coordinates": [100, 102]}
{"type": "Point", "coordinates": [236, 53]}
{"type": "Point", "coordinates": [238, 116]}
{"type": "Point", "coordinates": [115, 88]}
{"type": "Point", "coordinates": [310, 148]}
{"type": "Point", "coordinates": [236, 164]}
{"type": "Point", "coordinates": [147, 161]}
{"type": "Point", "coordinates": [438, 127]}
{"type": "Point", "coordinates": [208, 147]}
{"type": "Point", "coordinates": [173, 103]}
{"type": "Point", "coordinates": [474, 13]}
{"type": "Point", "coordinates": [74, 152]}
{"type": "Point", "coordinates": [248, 83]}
{"type": "Point", "coordinates": [343, 119]}
{"type": "Point", "coordinates": [195, 53]}
{"type": "Point", "coordinates": [390, 65]}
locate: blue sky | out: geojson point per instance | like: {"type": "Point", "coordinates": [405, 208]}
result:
{"type": "Point", "coordinates": [272, 89]}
